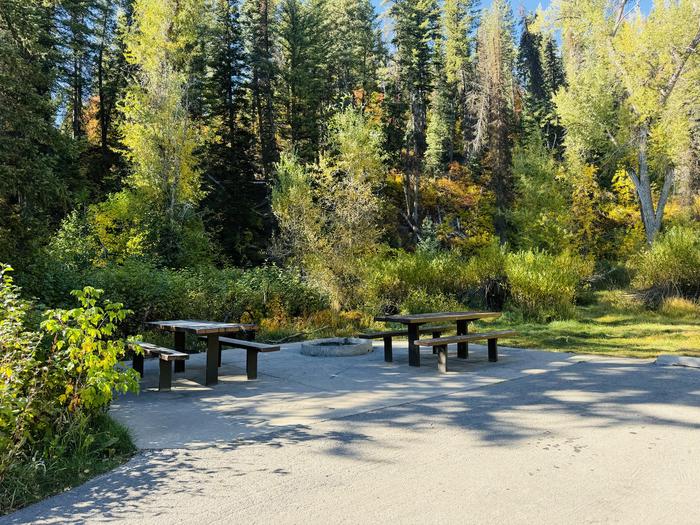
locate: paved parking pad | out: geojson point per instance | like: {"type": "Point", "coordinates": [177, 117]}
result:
{"type": "Point", "coordinates": [539, 437]}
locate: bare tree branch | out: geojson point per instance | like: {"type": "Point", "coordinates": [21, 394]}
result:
{"type": "Point", "coordinates": [621, 15]}
{"type": "Point", "coordinates": [692, 47]}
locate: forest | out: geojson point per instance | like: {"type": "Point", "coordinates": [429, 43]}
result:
{"type": "Point", "coordinates": [309, 164]}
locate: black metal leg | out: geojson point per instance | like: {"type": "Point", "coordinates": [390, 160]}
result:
{"type": "Point", "coordinates": [180, 347]}
{"type": "Point", "coordinates": [442, 358]}
{"type": "Point", "coordinates": [413, 350]}
{"type": "Point", "coordinates": [388, 350]}
{"type": "Point", "coordinates": [493, 350]}
{"type": "Point", "coordinates": [137, 363]}
{"type": "Point", "coordinates": [462, 348]}
{"type": "Point", "coordinates": [218, 363]}
{"type": "Point", "coordinates": [251, 364]}
{"type": "Point", "coordinates": [165, 380]}
{"type": "Point", "coordinates": [212, 372]}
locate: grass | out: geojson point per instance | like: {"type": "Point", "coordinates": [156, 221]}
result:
{"type": "Point", "coordinates": [613, 324]}
{"type": "Point", "coordinates": [88, 449]}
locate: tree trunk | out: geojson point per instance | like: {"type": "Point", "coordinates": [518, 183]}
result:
{"type": "Point", "coordinates": [651, 218]}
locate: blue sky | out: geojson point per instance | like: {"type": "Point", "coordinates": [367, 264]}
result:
{"type": "Point", "coordinates": [529, 5]}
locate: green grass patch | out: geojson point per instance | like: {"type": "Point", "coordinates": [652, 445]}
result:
{"type": "Point", "coordinates": [614, 324]}
{"type": "Point", "coordinates": [89, 448]}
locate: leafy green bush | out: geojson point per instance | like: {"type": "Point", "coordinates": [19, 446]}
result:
{"type": "Point", "coordinates": [421, 301]}
{"type": "Point", "coordinates": [671, 266]}
{"type": "Point", "coordinates": [487, 272]}
{"type": "Point", "coordinates": [53, 379]}
{"type": "Point", "coordinates": [544, 287]}
{"type": "Point", "coordinates": [392, 278]}
{"type": "Point", "coordinates": [206, 292]}
{"type": "Point", "coordinates": [259, 290]}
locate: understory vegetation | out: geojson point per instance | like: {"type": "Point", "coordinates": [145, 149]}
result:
{"type": "Point", "coordinates": [59, 370]}
{"type": "Point", "coordinates": [309, 164]}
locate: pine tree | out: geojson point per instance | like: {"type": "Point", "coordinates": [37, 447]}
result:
{"type": "Point", "coordinates": [415, 32]}
{"type": "Point", "coordinates": [102, 160]}
{"type": "Point", "coordinates": [555, 79]}
{"type": "Point", "coordinates": [460, 20]}
{"type": "Point", "coordinates": [440, 133]}
{"type": "Point", "coordinates": [302, 76]}
{"type": "Point", "coordinates": [228, 157]}
{"type": "Point", "coordinates": [77, 23]}
{"type": "Point", "coordinates": [357, 50]}
{"type": "Point", "coordinates": [257, 22]}
{"type": "Point", "coordinates": [496, 108]}
{"type": "Point", "coordinates": [540, 74]}
{"type": "Point", "coordinates": [37, 172]}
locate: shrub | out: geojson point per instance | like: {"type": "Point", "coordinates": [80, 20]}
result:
{"type": "Point", "coordinates": [421, 301]}
{"type": "Point", "coordinates": [544, 287]}
{"type": "Point", "coordinates": [260, 289]}
{"type": "Point", "coordinates": [54, 379]}
{"type": "Point", "coordinates": [228, 294]}
{"type": "Point", "coordinates": [671, 266]}
{"type": "Point", "coordinates": [392, 278]}
{"type": "Point", "coordinates": [486, 271]}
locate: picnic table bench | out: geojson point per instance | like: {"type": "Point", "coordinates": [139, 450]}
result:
{"type": "Point", "coordinates": [252, 349]}
{"type": "Point", "coordinates": [388, 335]}
{"type": "Point", "coordinates": [440, 344]}
{"type": "Point", "coordinates": [413, 323]}
{"type": "Point", "coordinates": [166, 357]}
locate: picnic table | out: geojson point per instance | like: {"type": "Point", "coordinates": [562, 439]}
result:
{"type": "Point", "coordinates": [414, 321]}
{"type": "Point", "coordinates": [212, 331]}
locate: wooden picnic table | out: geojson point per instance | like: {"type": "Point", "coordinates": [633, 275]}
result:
{"type": "Point", "coordinates": [413, 322]}
{"type": "Point", "coordinates": [212, 330]}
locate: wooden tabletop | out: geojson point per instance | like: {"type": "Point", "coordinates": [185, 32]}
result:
{"type": "Point", "coordinates": [201, 327]}
{"type": "Point", "coordinates": [437, 317]}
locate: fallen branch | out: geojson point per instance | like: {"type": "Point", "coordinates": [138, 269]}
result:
{"type": "Point", "coordinates": [298, 334]}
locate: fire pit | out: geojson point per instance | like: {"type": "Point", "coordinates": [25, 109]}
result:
{"type": "Point", "coordinates": [336, 347]}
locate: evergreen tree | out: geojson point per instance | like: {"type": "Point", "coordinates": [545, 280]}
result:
{"type": "Point", "coordinates": [228, 157]}
{"type": "Point", "coordinates": [460, 20]}
{"type": "Point", "coordinates": [102, 160]}
{"type": "Point", "coordinates": [302, 76]}
{"type": "Point", "coordinates": [37, 174]}
{"type": "Point", "coordinates": [415, 32]}
{"type": "Point", "coordinates": [257, 22]}
{"type": "Point", "coordinates": [540, 74]}
{"type": "Point", "coordinates": [357, 50]}
{"type": "Point", "coordinates": [441, 118]}
{"type": "Point", "coordinates": [496, 108]}
{"type": "Point", "coordinates": [76, 25]}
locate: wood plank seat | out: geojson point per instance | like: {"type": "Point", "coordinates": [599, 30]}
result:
{"type": "Point", "coordinates": [252, 348]}
{"type": "Point", "coordinates": [387, 336]}
{"type": "Point", "coordinates": [166, 357]}
{"type": "Point", "coordinates": [440, 343]}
